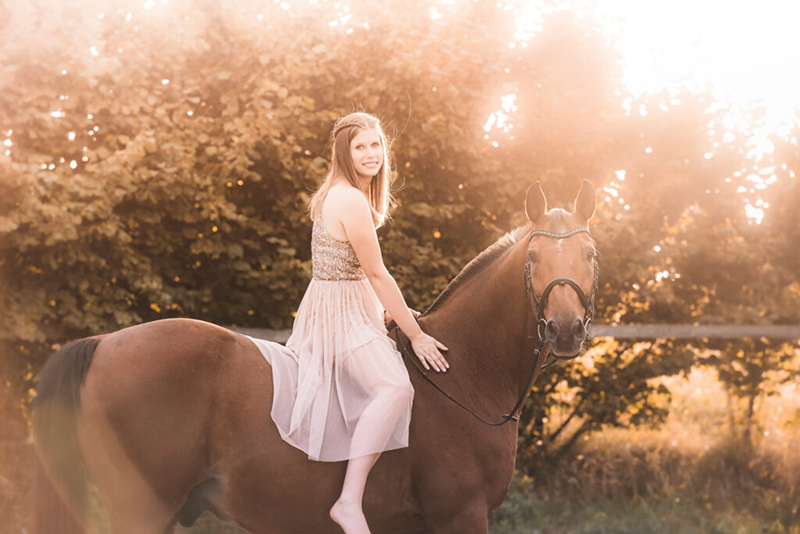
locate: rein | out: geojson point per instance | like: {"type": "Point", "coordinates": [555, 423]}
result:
{"type": "Point", "coordinates": [539, 306]}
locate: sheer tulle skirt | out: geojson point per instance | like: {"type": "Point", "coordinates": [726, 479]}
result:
{"type": "Point", "coordinates": [341, 388]}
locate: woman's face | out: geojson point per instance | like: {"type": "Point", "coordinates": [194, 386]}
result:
{"type": "Point", "coordinates": [367, 152]}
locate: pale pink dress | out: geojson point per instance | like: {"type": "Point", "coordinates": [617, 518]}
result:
{"type": "Point", "coordinates": [341, 388]}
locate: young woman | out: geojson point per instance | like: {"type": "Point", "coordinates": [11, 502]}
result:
{"type": "Point", "coordinates": [342, 391]}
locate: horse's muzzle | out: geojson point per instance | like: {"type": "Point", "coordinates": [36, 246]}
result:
{"type": "Point", "coordinates": [565, 340]}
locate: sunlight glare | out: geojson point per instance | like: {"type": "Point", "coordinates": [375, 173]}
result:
{"type": "Point", "coordinates": [529, 21]}
{"type": "Point", "coordinates": [739, 51]}
{"type": "Point", "coordinates": [500, 118]}
{"type": "Point", "coordinates": [731, 49]}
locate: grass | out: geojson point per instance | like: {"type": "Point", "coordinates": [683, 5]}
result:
{"type": "Point", "coordinates": [689, 476]}
{"type": "Point", "coordinates": [523, 513]}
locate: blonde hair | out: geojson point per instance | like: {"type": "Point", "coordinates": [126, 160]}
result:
{"type": "Point", "coordinates": [379, 194]}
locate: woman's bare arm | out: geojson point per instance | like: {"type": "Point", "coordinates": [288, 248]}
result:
{"type": "Point", "coordinates": [356, 217]}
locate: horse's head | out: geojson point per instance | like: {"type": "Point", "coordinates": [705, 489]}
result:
{"type": "Point", "coordinates": [563, 267]}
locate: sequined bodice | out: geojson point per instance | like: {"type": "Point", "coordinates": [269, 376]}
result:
{"type": "Point", "coordinates": [332, 259]}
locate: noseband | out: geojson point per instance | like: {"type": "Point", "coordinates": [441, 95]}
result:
{"type": "Point", "coordinates": [539, 305]}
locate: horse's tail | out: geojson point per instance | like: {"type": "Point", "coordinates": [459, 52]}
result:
{"type": "Point", "coordinates": [61, 486]}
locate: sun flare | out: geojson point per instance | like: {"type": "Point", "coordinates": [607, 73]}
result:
{"type": "Point", "coordinates": [741, 52]}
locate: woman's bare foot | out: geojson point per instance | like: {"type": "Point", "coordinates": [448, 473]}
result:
{"type": "Point", "coordinates": [350, 517]}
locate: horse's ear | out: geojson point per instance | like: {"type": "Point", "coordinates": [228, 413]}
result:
{"type": "Point", "coordinates": [535, 202]}
{"type": "Point", "coordinates": [586, 202]}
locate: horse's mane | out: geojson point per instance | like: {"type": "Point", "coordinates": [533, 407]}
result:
{"type": "Point", "coordinates": [480, 262]}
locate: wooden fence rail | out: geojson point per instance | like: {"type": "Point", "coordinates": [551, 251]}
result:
{"type": "Point", "coordinates": [629, 331]}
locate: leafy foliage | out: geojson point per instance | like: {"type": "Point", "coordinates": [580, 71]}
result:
{"type": "Point", "coordinates": [161, 166]}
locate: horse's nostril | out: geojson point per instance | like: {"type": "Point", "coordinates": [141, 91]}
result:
{"type": "Point", "coordinates": [578, 329]}
{"type": "Point", "coordinates": [551, 331]}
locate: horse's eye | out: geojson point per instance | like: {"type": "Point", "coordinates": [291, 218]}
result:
{"type": "Point", "coordinates": [533, 256]}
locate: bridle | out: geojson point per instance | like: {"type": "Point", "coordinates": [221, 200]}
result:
{"type": "Point", "coordinates": [539, 304]}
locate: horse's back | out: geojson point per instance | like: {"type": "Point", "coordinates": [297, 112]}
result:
{"type": "Point", "coordinates": [179, 410]}
{"type": "Point", "coordinates": [166, 382]}
{"type": "Point", "coordinates": [160, 408]}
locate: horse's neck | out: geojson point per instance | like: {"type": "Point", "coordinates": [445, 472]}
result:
{"type": "Point", "coordinates": [486, 322]}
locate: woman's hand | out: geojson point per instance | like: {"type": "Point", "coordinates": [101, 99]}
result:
{"type": "Point", "coordinates": [427, 350]}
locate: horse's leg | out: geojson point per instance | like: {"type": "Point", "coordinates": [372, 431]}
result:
{"type": "Point", "coordinates": [146, 408]}
{"type": "Point", "coordinates": [131, 503]}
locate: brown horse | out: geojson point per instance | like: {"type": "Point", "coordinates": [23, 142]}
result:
{"type": "Point", "coordinates": [171, 418]}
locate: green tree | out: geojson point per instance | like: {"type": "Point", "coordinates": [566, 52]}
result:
{"type": "Point", "coordinates": [161, 161]}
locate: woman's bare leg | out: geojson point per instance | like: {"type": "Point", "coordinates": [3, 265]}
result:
{"type": "Point", "coordinates": [391, 394]}
{"type": "Point", "coordinates": [347, 510]}
{"type": "Point", "coordinates": [376, 421]}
